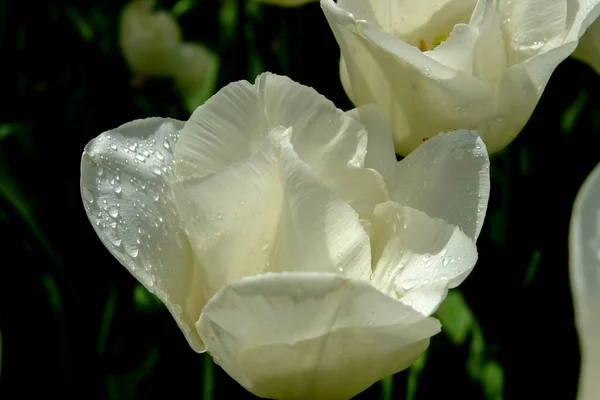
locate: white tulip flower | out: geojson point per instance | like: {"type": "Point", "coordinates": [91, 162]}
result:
{"type": "Point", "coordinates": [151, 44]}
{"type": "Point", "coordinates": [287, 3]}
{"type": "Point", "coordinates": [284, 237]}
{"type": "Point", "coordinates": [149, 39]}
{"type": "Point", "coordinates": [584, 259]}
{"type": "Point", "coordinates": [437, 65]}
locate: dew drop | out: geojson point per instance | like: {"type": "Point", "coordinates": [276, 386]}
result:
{"type": "Point", "coordinates": [155, 169]}
{"type": "Point", "coordinates": [117, 189]}
{"type": "Point", "coordinates": [132, 250]}
{"type": "Point", "coordinates": [87, 195]}
{"type": "Point", "coordinates": [113, 212]}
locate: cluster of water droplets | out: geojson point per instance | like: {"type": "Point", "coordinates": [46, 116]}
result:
{"type": "Point", "coordinates": [128, 200]}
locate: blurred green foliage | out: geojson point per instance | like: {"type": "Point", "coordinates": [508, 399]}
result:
{"type": "Point", "coordinates": [76, 324]}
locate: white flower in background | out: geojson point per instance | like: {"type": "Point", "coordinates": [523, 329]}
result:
{"type": "Point", "coordinates": [285, 238]}
{"type": "Point", "coordinates": [437, 65]}
{"type": "Point", "coordinates": [151, 43]}
{"type": "Point", "coordinates": [287, 3]}
{"type": "Point", "coordinates": [584, 258]}
{"type": "Point", "coordinates": [588, 49]}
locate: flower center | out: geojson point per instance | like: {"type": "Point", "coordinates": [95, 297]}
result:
{"type": "Point", "coordinates": [435, 43]}
{"type": "Point", "coordinates": [426, 24]}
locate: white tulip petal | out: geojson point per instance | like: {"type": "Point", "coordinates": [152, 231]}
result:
{"type": "Point", "coordinates": [228, 128]}
{"type": "Point", "coordinates": [319, 231]}
{"type": "Point", "coordinates": [489, 61]}
{"type": "Point", "coordinates": [418, 258]}
{"type": "Point", "coordinates": [333, 144]}
{"type": "Point", "coordinates": [324, 137]}
{"type": "Point", "coordinates": [232, 216]}
{"type": "Point", "coordinates": [231, 126]}
{"type": "Point", "coordinates": [457, 51]}
{"type": "Point", "coordinates": [126, 175]}
{"type": "Point", "coordinates": [584, 257]}
{"type": "Point", "coordinates": [270, 213]}
{"type": "Point", "coordinates": [583, 14]}
{"type": "Point", "coordinates": [447, 177]}
{"type": "Point", "coordinates": [380, 147]}
{"type": "Point", "coordinates": [533, 26]}
{"type": "Point", "coordinates": [345, 78]}
{"type": "Point", "coordinates": [311, 335]}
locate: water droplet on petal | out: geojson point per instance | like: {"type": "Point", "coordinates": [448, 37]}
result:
{"type": "Point", "coordinates": [155, 169]}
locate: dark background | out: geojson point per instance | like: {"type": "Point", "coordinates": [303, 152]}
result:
{"type": "Point", "coordinates": [76, 324]}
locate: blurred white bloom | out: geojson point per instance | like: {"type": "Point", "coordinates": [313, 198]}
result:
{"type": "Point", "coordinates": [584, 255]}
{"type": "Point", "coordinates": [588, 49]}
{"type": "Point", "coordinates": [287, 3]}
{"type": "Point", "coordinates": [433, 65]}
{"type": "Point", "coordinates": [152, 46]}
{"type": "Point", "coordinates": [285, 238]}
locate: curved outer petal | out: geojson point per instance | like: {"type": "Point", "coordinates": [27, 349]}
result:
{"type": "Point", "coordinates": [311, 335]}
{"type": "Point", "coordinates": [126, 176]}
{"type": "Point", "coordinates": [418, 258]}
{"type": "Point", "coordinates": [447, 177]}
{"type": "Point", "coordinates": [584, 249]}
{"type": "Point", "coordinates": [270, 212]}
{"type": "Point", "coordinates": [426, 93]}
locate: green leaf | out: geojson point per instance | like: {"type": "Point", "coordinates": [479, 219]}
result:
{"type": "Point", "coordinates": [195, 97]}
{"type": "Point", "coordinates": [387, 387]}
{"type": "Point", "coordinates": [107, 318]}
{"type": "Point", "coordinates": [144, 300]}
{"type": "Point", "coordinates": [413, 376]}
{"type": "Point", "coordinates": [183, 7]}
{"type": "Point", "coordinates": [573, 112]}
{"type": "Point", "coordinates": [459, 324]}
{"type": "Point", "coordinates": [532, 267]}
{"type": "Point", "coordinates": [125, 386]}
{"type": "Point", "coordinates": [12, 194]}
{"type": "Point", "coordinates": [492, 380]}
{"type": "Point", "coordinates": [456, 317]}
